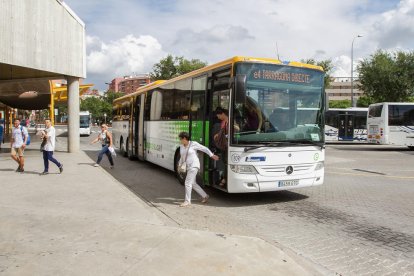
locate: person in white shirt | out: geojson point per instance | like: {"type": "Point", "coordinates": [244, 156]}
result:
{"type": "Point", "coordinates": [49, 136]}
{"type": "Point", "coordinates": [188, 152]}
{"type": "Point", "coordinates": [18, 144]}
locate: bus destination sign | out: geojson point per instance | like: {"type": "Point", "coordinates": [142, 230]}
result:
{"type": "Point", "coordinates": [277, 75]}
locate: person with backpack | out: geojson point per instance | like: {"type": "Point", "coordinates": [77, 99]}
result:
{"type": "Point", "coordinates": [48, 147]}
{"type": "Point", "coordinates": [18, 144]}
{"type": "Point", "coordinates": [190, 164]}
{"type": "Point", "coordinates": [107, 145]}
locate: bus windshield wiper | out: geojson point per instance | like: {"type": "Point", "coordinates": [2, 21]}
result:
{"type": "Point", "coordinates": [286, 143]}
{"type": "Point", "coordinates": [274, 144]}
{"type": "Point", "coordinates": [304, 141]}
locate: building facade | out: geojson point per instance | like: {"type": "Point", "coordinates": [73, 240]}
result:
{"type": "Point", "coordinates": [128, 84]}
{"type": "Point", "coordinates": [340, 89]}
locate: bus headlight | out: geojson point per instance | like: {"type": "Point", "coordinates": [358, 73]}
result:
{"type": "Point", "coordinates": [319, 166]}
{"type": "Point", "coordinates": [248, 169]}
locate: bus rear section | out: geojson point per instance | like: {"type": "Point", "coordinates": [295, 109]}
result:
{"type": "Point", "coordinates": [391, 124]}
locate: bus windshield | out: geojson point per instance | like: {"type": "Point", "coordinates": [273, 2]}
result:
{"type": "Point", "coordinates": [84, 121]}
{"type": "Point", "coordinates": [279, 104]}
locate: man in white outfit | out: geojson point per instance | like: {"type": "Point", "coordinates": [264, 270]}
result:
{"type": "Point", "coordinates": [188, 152]}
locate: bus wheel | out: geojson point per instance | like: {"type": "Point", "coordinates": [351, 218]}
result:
{"type": "Point", "coordinates": [411, 147]}
{"type": "Point", "coordinates": [180, 176]}
{"type": "Point", "coordinates": [122, 148]}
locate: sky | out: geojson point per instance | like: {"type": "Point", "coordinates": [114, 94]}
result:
{"type": "Point", "coordinates": [126, 37]}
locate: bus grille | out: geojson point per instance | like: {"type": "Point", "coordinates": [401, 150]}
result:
{"type": "Point", "coordinates": [281, 169]}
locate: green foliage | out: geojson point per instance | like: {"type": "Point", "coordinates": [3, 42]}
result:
{"type": "Point", "coordinates": [388, 77]}
{"type": "Point", "coordinates": [110, 96]}
{"type": "Point", "coordinates": [325, 64]}
{"type": "Point", "coordinates": [339, 103]}
{"type": "Point", "coordinates": [364, 101]}
{"type": "Point", "coordinates": [170, 67]}
{"type": "Point", "coordinates": [99, 106]}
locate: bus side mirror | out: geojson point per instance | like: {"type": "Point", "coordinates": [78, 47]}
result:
{"type": "Point", "coordinates": [240, 89]}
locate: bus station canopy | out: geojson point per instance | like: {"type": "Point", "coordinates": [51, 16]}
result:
{"type": "Point", "coordinates": [34, 94]}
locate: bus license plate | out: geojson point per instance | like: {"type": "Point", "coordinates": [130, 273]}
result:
{"type": "Point", "coordinates": [288, 183]}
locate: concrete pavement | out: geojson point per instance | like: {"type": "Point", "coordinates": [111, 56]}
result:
{"type": "Point", "coordinates": [84, 222]}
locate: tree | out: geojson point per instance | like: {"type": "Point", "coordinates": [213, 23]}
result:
{"type": "Point", "coordinates": [170, 67]}
{"type": "Point", "coordinates": [339, 103]}
{"type": "Point", "coordinates": [325, 64]}
{"type": "Point", "coordinates": [99, 106]}
{"type": "Point", "coordinates": [364, 101]}
{"type": "Point", "coordinates": [388, 76]}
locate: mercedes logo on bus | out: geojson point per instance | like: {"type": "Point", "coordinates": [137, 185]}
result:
{"type": "Point", "coordinates": [289, 169]}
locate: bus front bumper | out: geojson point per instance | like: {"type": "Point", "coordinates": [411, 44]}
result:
{"type": "Point", "coordinates": [249, 183]}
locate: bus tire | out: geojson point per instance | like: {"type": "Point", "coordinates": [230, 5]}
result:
{"type": "Point", "coordinates": [180, 177]}
{"type": "Point", "coordinates": [122, 148]}
{"type": "Point", "coordinates": [411, 147]}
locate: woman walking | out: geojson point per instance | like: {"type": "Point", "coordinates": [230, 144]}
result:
{"type": "Point", "coordinates": [189, 158]}
{"type": "Point", "coordinates": [106, 139]}
{"type": "Point", "coordinates": [48, 147]}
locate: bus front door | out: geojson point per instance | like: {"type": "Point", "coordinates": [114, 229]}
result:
{"type": "Point", "coordinates": [198, 121]}
{"type": "Point", "coordinates": [346, 127]}
{"type": "Point", "coordinates": [218, 97]}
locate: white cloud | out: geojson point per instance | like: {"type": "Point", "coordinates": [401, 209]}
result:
{"type": "Point", "coordinates": [395, 28]}
{"type": "Point", "coordinates": [122, 57]}
{"type": "Point", "coordinates": [342, 66]}
{"type": "Point", "coordinates": [215, 34]}
{"type": "Point", "coordinates": [218, 29]}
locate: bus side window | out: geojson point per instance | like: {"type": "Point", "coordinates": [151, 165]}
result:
{"type": "Point", "coordinates": [156, 106]}
{"type": "Point", "coordinates": [147, 112]}
{"type": "Point", "coordinates": [182, 97]}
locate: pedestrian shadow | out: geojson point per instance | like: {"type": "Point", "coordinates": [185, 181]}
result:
{"type": "Point", "coordinates": [6, 170]}
{"type": "Point", "coordinates": [222, 199]}
{"type": "Point", "coordinates": [31, 172]}
{"type": "Point", "coordinates": [86, 164]}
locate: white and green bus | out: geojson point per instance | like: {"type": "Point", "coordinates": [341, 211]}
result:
{"type": "Point", "coordinates": [276, 118]}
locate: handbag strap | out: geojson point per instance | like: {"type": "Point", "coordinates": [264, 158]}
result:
{"type": "Point", "coordinates": [186, 155]}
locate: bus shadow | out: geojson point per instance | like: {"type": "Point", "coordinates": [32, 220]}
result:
{"type": "Point", "coordinates": [372, 148]}
{"type": "Point", "coordinates": [155, 184]}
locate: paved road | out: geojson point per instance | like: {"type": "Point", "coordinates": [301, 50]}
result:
{"type": "Point", "coordinates": [361, 221]}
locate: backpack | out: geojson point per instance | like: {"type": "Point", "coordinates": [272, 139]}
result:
{"type": "Point", "coordinates": [28, 136]}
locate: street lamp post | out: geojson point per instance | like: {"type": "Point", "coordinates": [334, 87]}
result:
{"type": "Point", "coordinates": [352, 71]}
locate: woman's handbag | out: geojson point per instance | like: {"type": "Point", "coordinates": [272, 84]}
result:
{"type": "Point", "coordinates": [112, 151]}
{"type": "Point", "coordinates": [182, 169]}
{"type": "Point", "coordinates": [43, 144]}
{"type": "Point", "coordinates": [220, 139]}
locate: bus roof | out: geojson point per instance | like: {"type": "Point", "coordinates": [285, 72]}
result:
{"type": "Point", "coordinates": [393, 103]}
{"type": "Point", "coordinates": [348, 109]}
{"type": "Point", "coordinates": [218, 65]}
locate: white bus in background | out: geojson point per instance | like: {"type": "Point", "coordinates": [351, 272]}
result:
{"type": "Point", "coordinates": [85, 123]}
{"type": "Point", "coordinates": [391, 124]}
{"type": "Point", "coordinates": [346, 124]}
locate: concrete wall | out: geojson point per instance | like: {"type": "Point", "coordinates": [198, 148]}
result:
{"type": "Point", "coordinates": [44, 35]}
